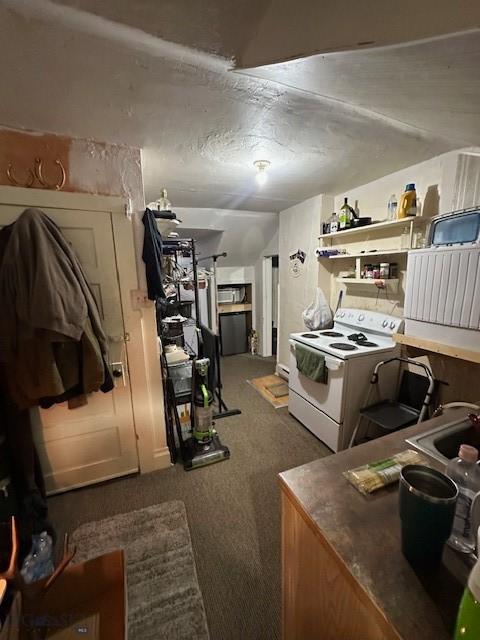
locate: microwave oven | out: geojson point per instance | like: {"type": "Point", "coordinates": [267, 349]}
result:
{"type": "Point", "coordinates": [230, 295]}
{"type": "Point", "coordinates": [459, 228]}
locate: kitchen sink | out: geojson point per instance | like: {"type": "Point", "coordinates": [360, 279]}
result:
{"type": "Point", "coordinates": [442, 443]}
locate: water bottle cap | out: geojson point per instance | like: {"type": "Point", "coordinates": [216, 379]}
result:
{"type": "Point", "coordinates": [468, 453]}
{"type": "Point", "coordinates": [410, 186]}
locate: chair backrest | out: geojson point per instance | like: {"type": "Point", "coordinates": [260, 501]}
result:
{"type": "Point", "coordinates": [413, 389]}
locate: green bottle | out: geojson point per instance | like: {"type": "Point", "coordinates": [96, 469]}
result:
{"type": "Point", "coordinates": [468, 620]}
{"type": "Point", "coordinates": [347, 214]}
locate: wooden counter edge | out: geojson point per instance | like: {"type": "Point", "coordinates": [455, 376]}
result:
{"type": "Point", "coordinates": [363, 596]}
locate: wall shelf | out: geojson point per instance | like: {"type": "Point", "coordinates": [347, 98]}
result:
{"type": "Point", "coordinates": [390, 283]}
{"type": "Point", "coordinates": [376, 226]}
{"type": "Point", "coordinates": [438, 347]}
{"type": "Point", "coordinates": [370, 254]}
{"type": "Point", "coordinates": [234, 307]}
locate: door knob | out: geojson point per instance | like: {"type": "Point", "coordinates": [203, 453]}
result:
{"type": "Point", "coordinates": [118, 371]}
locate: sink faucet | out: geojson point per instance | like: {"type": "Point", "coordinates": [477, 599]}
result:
{"type": "Point", "coordinates": [475, 420]}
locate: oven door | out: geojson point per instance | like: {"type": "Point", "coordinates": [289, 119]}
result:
{"type": "Point", "coordinates": [326, 397]}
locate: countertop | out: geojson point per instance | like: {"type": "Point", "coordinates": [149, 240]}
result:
{"type": "Point", "coordinates": [364, 531]}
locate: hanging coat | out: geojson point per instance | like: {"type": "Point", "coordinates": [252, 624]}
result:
{"type": "Point", "coordinates": [51, 336]}
{"type": "Point", "coordinates": [152, 256]}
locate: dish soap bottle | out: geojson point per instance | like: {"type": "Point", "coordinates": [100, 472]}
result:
{"type": "Point", "coordinates": [407, 205]}
{"type": "Point", "coordinates": [468, 619]}
{"type": "Point", "coordinates": [465, 472]}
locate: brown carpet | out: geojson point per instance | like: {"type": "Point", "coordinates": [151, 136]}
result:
{"type": "Point", "coordinates": [233, 507]}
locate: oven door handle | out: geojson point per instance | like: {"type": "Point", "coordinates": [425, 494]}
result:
{"type": "Point", "coordinates": [333, 364]}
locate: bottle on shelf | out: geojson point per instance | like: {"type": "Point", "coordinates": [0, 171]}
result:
{"type": "Point", "coordinates": [468, 619]}
{"type": "Point", "coordinates": [392, 207]}
{"type": "Point", "coordinates": [465, 472]}
{"type": "Point", "coordinates": [407, 205]}
{"type": "Point", "coordinates": [334, 223]}
{"type": "Point", "coordinates": [346, 215]}
{"type": "Point", "coordinates": [405, 239]}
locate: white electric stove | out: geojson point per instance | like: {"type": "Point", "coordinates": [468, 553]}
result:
{"type": "Point", "coordinates": [358, 340]}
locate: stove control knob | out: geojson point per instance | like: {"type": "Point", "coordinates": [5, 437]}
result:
{"type": "Point", "coordinates": [342, 315]}
{"type": "Point", "coordinates": [393, 324]}
{"type": "Point", "coordinates": [361, 317]}
{"type": "Point", "coordinates": [385, 324]}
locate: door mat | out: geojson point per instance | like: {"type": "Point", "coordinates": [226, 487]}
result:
{"type": "Point", "coordinates": [163, 594]}
{"type": "Point", "coordinates": [265, 384]}
{"type": "Point", "coordinates": [278, 389]}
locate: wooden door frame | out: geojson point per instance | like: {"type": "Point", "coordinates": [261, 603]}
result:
{"type": "Point", "coordinates": [139, 319]}
{"type": "Point", "coordinates": [267, 306]}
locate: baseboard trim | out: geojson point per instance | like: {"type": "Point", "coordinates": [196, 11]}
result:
{"type": "Point", "coordinates": [282, 370]}
{"type": "Point", "coordinates": [161, 458]}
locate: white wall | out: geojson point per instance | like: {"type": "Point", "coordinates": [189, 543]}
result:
{"type": "Point", "coordinates": [299, 229]}
{"type": "Point", "coordinates": [440, 186]}
{"type": "Point", "coordinates": [436, 184]}
{"type": "Point", "coordinates": [246, 236]}
{"type": "Point", "coordinates": [434, 180]}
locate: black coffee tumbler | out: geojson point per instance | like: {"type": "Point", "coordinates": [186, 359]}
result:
{"type": "Point", "coordinates": [427, 507]}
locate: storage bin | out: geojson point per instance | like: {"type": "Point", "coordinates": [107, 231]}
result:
{"type": "Point", "coordinates": [181, 376]}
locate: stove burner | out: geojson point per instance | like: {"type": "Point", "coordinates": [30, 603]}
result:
{"type": "Point", "coordinates": [343, 346]}
{"type": "Point", "coordinates": [367, 343]}
{"type": "Point", "coordinates": [331, 334]}
{"type": "Point", "coordinates": [309, 335]}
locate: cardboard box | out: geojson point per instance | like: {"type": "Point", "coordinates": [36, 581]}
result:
{"type": "Point", "coordinates": [87, 601]}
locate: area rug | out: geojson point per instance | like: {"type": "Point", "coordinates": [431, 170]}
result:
{"type": "Point", "coordinates": [262, 386]}
{"type": "Point", "coordinates": [164, 597]}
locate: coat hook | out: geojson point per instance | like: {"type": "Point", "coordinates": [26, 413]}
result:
{"type": "Point", "coordinates": [15, 182]}
{"type": "Point", "coordinates": [41, 179]}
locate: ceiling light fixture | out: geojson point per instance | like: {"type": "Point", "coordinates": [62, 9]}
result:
{"type": "Point", "coordinates": [261, 166]}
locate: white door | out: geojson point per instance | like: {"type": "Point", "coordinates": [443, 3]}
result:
{"type": "Point", "coordinates": [97, 441]}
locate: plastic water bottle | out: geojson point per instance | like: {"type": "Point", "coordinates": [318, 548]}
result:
{"type": "Point", "coordinates": [392, 207]}
{"type": "Point", "coordinates": [468, 619]}
{"type": "Point", "coordinates": [39, 563]}
{"type": "Point", "coordinates": [465, 472]}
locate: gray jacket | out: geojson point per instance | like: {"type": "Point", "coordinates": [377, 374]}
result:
{"type": "Point", "coordinates": [51, 336]}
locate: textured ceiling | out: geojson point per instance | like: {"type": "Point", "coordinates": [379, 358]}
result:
{"type": "Point", "coordinates": [259, 32]}
{"type": "Point", "coordinates": [326, 123]}
{"type": "Point", "coordinates": [434, 86]}
{"type": "Point", "coordinates": [215, 26]}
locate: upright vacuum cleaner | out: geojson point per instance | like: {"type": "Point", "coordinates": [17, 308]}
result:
{"type": "Point", "coordinates": [204, 446]}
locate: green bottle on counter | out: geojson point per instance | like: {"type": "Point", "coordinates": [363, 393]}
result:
{"type": "Point", "coordinates": [468, 620]}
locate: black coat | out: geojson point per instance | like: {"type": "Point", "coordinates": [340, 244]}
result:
{"type": "Point", "coordinates": [152, 256]}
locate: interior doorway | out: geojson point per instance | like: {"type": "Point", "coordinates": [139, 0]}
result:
{"type": "Point", "coordinates": [269, 326]}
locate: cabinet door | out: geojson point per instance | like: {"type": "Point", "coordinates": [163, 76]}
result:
{"type": "Point", "coordinates": [320, 602]}
{"type": "Point", "coordinates": [97, 441]}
